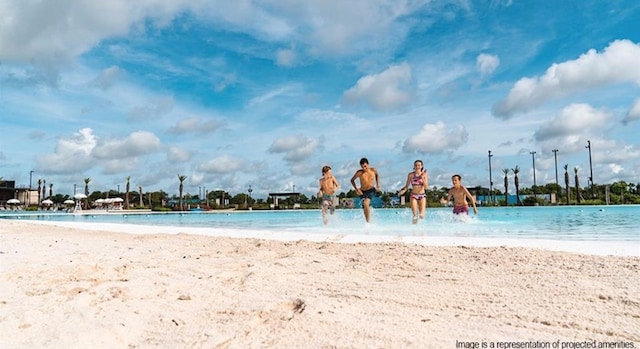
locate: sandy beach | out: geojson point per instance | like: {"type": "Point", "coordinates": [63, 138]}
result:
{"type": "Point", "coordinates": [81, 288]}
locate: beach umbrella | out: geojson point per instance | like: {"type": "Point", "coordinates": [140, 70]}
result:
{"type": "Point", "coordinates": [69, 202]}
{"type": "Point", "coordinates": [80, 196]}
{"type": "Point", "coordinates": [117, 200]}
{"type": "Point", "coordinates": [47, 202]}
{"type": "Point", "coordinates": [13, 201]}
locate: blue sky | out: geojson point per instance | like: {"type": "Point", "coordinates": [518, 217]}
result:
{"type": "Point", "coordinates": [264, 93]}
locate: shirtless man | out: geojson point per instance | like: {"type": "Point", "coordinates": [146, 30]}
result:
{"type": "Point", "coordinates": [460, 194]}
{"type": "Point", "coordinates": [327, 192]}
{"type": "Point", "coordinates": [367, 175]}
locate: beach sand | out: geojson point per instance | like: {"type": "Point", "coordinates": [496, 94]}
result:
{"type": "Point", "coordinates": [76, 288]}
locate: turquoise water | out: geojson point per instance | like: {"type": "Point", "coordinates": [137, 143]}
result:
{"type": "Point", "coordinates": [582, 223]}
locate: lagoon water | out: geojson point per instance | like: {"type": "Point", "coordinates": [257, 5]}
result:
{"type": "Point", "coordinates": [566, 223]}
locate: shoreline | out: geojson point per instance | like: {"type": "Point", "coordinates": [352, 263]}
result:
{"type": "Point", "coordinates": [591, 247]}
{"type": "Point", "coordinates": [75, 287]}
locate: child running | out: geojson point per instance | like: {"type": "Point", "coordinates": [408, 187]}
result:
{"type": "Point", "coordinates": [327, 192]}
{"type": "Point", "coordinates": [460, 194]}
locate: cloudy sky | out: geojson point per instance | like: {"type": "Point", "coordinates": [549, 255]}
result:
{"type": "Point", "coordinates": [264, 93]}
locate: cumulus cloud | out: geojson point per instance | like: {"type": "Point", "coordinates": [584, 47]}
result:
{"type": "Point", "coordinates": [436, 138]}
{"type": "Point", "coordinates": [59, 31]}
{"type": "Point", "coordinates": [178, 155]}
{"type": "Point", "coordinates": [487, 63]}
{"type": "Point", "coordinates": [222, 164]}
{"type": "Point", "coordinates": [194, 125]}
{"type": "Point", "coordinates": [573, 120]}
{"type": "Point", "coordinates": [618, 63]}
{"type": "Point", "coordinates": [71, 155]}
{"type": "Point", "coordinates": [385, 91]}
{"type": "Point", "coordinates": [633, 114]}
{"type": "Point", "coordinates": [295, 148]}
{"type": "Point", "coordinates": [136, 144]}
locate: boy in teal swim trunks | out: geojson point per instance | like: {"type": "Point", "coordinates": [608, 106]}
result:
{"type": "Point", "coordinates": [327, 192]}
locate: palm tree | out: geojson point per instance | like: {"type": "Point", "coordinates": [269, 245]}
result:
{"type": "Point", "coordinates": [506, 186]}
{"type": "Point", "coordinates": [181, 179]}
{"type": "Point", "coordinates": [578, 196]}
{"type": "Point", "coordinates": [86, 192]}
{"type": "Point", "coordinates": [516, 182]}
{"type": "Point", "coordinates": [51, 190]}
{"type": "Point", "coordinates": [126, 194]}
{"type": "Point", "coordinates": [44, 189]}
{"type": "Point", "coordinates": [566, 183]}
{"type": "Point", "coordinates": [141, 203]}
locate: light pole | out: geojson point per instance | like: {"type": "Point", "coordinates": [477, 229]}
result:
{"type": "Point", "coordinates": [533, 158]}
{"type": "Point", "coordinates": [249, 190]}
{"type": "Point", "coordinates": [490, 180]}
{"type": "Point", "coordinates": [555, 158]}
{"type": "Point", "coordinates": [30, 181]}
{"type": "Point", "coordinates": [588, 146]}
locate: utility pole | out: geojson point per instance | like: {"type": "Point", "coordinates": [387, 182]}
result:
{"type": "Point", "coordinates": [588, 146]}
{"type": "Point", "coordinates": [533, 158]}
{"type": "Point", "coordinates": [555, 158]}
{"type": "Point", "coordinates": [490, 180]}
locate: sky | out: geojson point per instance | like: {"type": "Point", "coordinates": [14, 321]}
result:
{"type": "Point", "coordinates": [245, 93]}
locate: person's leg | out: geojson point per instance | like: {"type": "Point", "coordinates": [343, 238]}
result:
{"type": "Point", "coordinates": [414, 210]}
{"type": "Point", "coordinates": [365, 207]}
{"type": "Point", "coordinates": [423, 207]}
{"type": "Point", "coordinates": [324, 213]}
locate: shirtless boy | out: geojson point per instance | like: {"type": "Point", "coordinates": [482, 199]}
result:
{"type": "Point", "coordinates": [327, 192]}
{"type": "Point", "coordinates": [367, 175]}
{"type": "Point", "coordinates": [460, 194]}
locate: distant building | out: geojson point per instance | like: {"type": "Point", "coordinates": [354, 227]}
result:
{"type": "Point", "coordinates": [8, 191]}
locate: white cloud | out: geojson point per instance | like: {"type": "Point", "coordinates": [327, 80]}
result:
{"type": "Point", "coordinates": [71, 155]}
{"type": "Point", "coordinates": [487, 64]}
{"type": "Point", "coordinates": [633, 114]}
{"type": "Point", "coordinates": [295, 148]}
{"type": "Point", "coordinates": [222, 164]}
{"type": "Point", "coordinates": [385, 91]}
{"type": "Point", "coordinates": [616, 64]}
{"type": "Point", "coordinates": [195, 125]}
{"type": "Point", "coordinates": [61, 30]}
{"type": "Point", "coordinates": [178, 155]}
{"type": "Point", "coordinates": [573, 120]}
{"type": "Point", "coordinates": [436, 138]}
{"type": "Point", "coordinates": [136, 144]}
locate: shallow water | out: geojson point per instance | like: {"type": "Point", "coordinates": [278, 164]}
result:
{"type": "Point", "coordinates": [581, 223]}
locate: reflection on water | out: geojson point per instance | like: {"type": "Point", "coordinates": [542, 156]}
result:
{"type": "Point", "coordinates": [613, 223]}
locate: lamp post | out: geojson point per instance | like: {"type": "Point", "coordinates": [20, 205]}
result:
{"type": "Point", "coordinates": [588, 146]}
{"type": "Point", "coordinates": [555, 158]}
{"type": "Point", "coordinates": [533, 158]}
{"type": "Point", "coordinates": [249, 191]}
{"type": "Point", "coordinates": [30, 181]}
{"type": "Point", "coordinates": [490, 180]}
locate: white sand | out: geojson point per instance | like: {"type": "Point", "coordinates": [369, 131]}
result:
{"type": "Point", "coordinates": [63, 287]}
